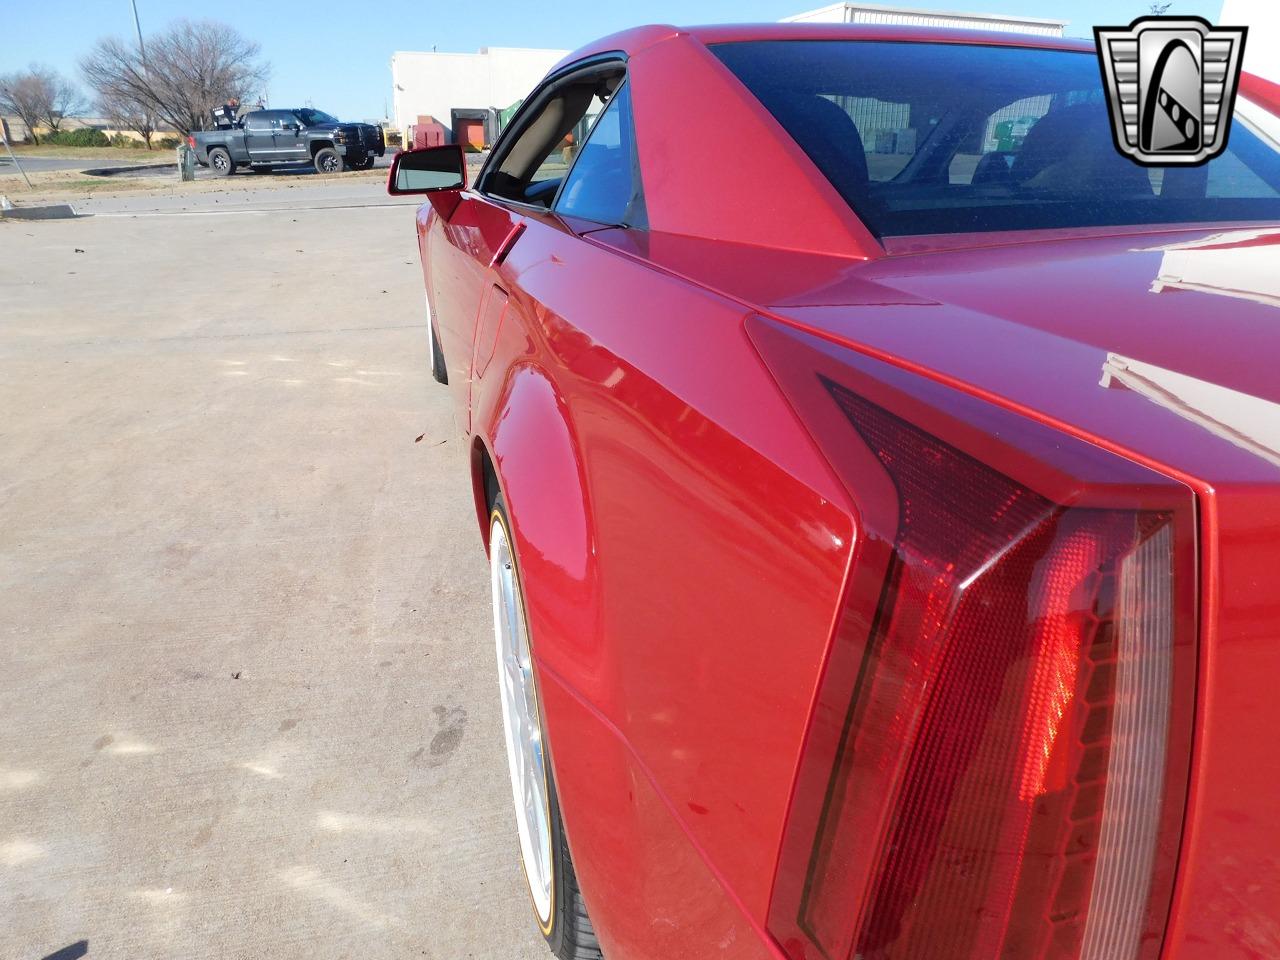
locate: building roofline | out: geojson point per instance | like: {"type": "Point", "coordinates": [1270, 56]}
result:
{"type": "Point", "coordinates": [483, 51]}
{"type": "Point", "coordinates": [955, 14]}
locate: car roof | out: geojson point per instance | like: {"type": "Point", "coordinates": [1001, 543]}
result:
{"type": "Point", "coordinates": [680, 199]}
{"type": "Point", "coordinates": [638, 38]}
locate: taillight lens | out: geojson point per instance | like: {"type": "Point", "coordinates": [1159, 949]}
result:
{"type": "Point", "coordinates": [988, 770]}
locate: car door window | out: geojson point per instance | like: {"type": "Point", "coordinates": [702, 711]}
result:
{"type": "Point", "coordinates": [531, 166]}
{"type": "Point", "coordinates": [258, 123]}
{"type": "Point", "coordinates": [604, 183]}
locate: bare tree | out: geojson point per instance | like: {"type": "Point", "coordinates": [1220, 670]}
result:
{"type": "Point", "coordinates": [127, 114]}
{"type": "Point", "coordinates": [66, 101]}
{"type": "Point", "coordinates": [22, 96]}
{"type": "Point", "coordinates": [40, 96]}
{"type": "Point", "coordinates": [190, 68]}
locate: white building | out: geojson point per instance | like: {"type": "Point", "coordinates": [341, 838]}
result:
{"type": "Point", "coordinates": [1262, 47]}
{"type": "Point", "coordinates": [871, 13]}
{"type": "Point", "coordinates": [464, 91]}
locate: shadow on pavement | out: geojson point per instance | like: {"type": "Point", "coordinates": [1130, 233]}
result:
{"type": "Point", "coordinates": [73, 952]}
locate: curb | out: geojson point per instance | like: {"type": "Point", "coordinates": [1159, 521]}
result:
{"type": "Point", "coordinates": [51, 211]}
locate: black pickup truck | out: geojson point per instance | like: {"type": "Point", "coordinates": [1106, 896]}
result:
{"type": "Point", "coordinates": [267, 138]}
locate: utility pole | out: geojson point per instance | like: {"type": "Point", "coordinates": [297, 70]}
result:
{"type": "Point", "coordinates": [142, 50]}
{"type": "Point", "coordinates": [9, 150]}
{"type": "Point", "coordinates": [142, 59]}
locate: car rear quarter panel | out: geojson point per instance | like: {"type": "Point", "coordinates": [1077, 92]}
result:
{"type": "Point", "coordinates": [1227, 904]}
{"type": "Point", "coordinates": [683, 547]}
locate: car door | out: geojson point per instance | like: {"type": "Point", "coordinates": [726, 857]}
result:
{"type": "Point", "coordinates": [514, 192]}
{"type": "Point", "coordinates": [259, 136]}
{"type": "Point", "coordinates": [290, 137]}
{"type": "Point", "coordinates": [599, 189]}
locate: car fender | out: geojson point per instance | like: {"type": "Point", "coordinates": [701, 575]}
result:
{"type": "Point", "coordinates": [524, 426]}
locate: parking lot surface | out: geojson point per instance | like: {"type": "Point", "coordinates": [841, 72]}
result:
{"type": "Point", "coordinates": [38, 165]}
{"type": "Point", "coordinates": [247, 704]}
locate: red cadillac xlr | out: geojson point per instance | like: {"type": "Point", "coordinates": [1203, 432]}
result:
{"type": "Point", "coordinates": [880, 476]}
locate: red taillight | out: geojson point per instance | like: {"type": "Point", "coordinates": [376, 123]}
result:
{"type": "Point", "coordinates": [191, 142]}
{"type": "Point", "coordinates": [988, 770]}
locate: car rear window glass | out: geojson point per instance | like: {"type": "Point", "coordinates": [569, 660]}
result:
{"type": "Point", "coordinates": [955, 138]}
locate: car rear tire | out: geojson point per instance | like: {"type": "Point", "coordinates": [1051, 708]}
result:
{"type": "Point", "coordinates": [548, 868]}
{"type": "Point", "coordinates": [220, 162]}
{"type": "Point", "coordinates": [327, 160]}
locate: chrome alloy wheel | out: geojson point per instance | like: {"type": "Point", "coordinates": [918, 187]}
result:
{"type": "Point", "coordinates": [332, 164]}
{"type": "Point", "coordinates": [521, 720]}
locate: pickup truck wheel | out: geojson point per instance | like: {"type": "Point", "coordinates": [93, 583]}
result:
{"type": "Point", "coordinates": [328, 161]}
{"type": "Point", "coordinates": [220, 162]}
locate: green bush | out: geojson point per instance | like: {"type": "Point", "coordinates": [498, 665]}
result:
{"type": "Point", "coordinates": [79, 137]}
{"type": "Point", "coordinates": [125, 142]}
{"type": "Point", "coordinates": [167, 143]}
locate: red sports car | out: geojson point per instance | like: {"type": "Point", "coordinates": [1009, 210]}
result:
{"type": "Point", "coordinates": [880, 476]}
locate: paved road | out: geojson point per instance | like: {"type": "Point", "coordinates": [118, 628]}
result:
{"type": "Point", "coordinates": [39, 164]}
{"type": "Point", "coordinates": [247, 704]}
{"type": "Point", "coordinates": [329, 193]}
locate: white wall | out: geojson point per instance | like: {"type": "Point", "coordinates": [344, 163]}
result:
{"type": "Point", "coordinates": [835, 13]}
{"type": "Point", "coordinates": [849, 12]}
{"type": "Point", "coordinates": [1262, 46]}
{"type": "Point", "coordinates": [437, 83]}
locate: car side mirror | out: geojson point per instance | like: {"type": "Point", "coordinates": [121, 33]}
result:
{"type": "Point", "coordinates": [428, 170]}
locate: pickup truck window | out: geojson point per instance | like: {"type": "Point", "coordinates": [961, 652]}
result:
{"type": "Point", "coordinates": [311, 118]}
{"type": "Point", "coordinates": [923, 138]}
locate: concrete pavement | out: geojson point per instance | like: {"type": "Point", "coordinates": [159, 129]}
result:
{"type": "Point", "coordinates": [239, 197]}
{"type": "Point", "coordinates": [247, 706]}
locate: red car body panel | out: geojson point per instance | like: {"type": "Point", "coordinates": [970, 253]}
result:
{"type": "Point", "coordinates": [685, 543]}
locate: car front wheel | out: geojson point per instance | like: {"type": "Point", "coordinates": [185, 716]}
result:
{"type": "Point", "coordinates": [548, 868]}
{"type": "Point", "coordinates": [328, 161]}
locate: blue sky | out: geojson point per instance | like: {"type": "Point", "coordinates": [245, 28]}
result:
{"type": "Point", "coordinates": [337, 55]}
